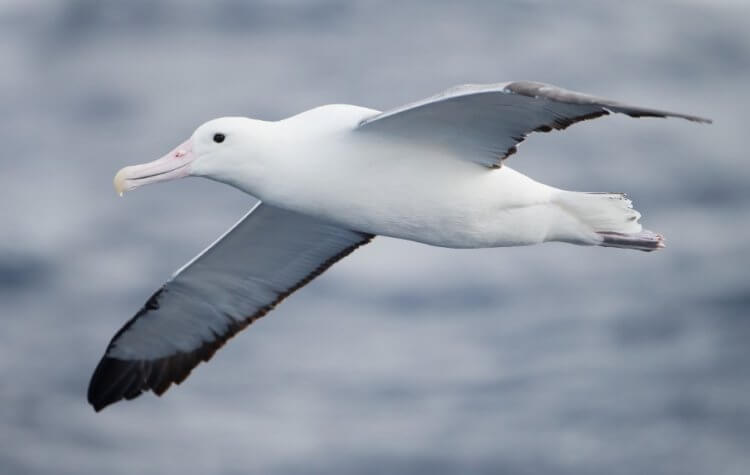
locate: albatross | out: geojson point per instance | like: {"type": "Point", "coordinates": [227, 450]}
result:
{"type": "Point", "coordinates": [333, 177]}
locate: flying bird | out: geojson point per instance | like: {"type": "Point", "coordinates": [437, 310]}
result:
{"type": "Point", "coordinates": [333, 177]}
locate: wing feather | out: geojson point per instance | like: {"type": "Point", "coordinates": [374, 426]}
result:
{"type": "Point", "coordinates": [261, 260]}
{"type": "Point", "coordinates": [484, 123]}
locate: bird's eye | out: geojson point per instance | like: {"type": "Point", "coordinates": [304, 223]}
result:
{"type": "Point", "coordinates": [218, 138]}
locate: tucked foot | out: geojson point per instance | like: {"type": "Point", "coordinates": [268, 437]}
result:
{"type": "Point", "coordinates": [643, 241]}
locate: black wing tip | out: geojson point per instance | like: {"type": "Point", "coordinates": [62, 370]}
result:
{"type": "Point", "coordinates": [559, 94]}
{"type": "Point", "coordinates": [696, 119]}
{"type": "Point", "coordinates": [112, 381]}
{"type": "Point", "coordinates": [638, 113]}
{"type": "Point", "coordinates": [115, 379]}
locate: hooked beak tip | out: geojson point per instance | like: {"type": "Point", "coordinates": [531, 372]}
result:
{"type": "Point", "coordinates": [170, 166]}
{"type": "Point", "coordinates": [119, 182]}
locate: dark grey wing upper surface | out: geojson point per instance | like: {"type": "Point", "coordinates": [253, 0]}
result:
{"type": "Point", "coordinates": [263, 258]}
{"type": "Point", "coordinates": [485, 122]}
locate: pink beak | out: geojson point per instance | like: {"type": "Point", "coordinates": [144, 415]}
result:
{"type": "Point", "coordinates": [170, 166]}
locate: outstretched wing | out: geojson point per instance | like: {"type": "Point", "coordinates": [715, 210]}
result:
{"type": "Point", "coordinates": [485, 122]}
{"type": "Point", "coordinates": [263, 258]}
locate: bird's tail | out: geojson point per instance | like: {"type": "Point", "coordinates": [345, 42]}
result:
{"type": "Point", "coordinates": [609, 220]}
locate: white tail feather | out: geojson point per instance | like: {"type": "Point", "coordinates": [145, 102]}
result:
{"type": "Point", "coordinates": [607, 219]}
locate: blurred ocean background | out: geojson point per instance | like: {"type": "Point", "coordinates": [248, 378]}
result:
{"type": "Point", "coordinates": [402, 358]}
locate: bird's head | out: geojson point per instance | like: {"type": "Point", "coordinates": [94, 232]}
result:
{"type": "Point", "coordinates": [217, 149]}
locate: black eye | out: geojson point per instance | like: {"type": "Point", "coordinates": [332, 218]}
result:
{"type": "Point", "coordinates": [218, 138]}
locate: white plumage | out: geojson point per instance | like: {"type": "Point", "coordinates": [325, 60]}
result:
{"type": "Point", "coordinates": [333, 177]}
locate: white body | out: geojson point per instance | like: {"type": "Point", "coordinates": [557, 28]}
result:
{"type": "Point", "coordinates": [317, 164]}
{"type": "Point", "coordinates": [331, 178]}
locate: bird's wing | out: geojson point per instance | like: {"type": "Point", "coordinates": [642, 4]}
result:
{"type": "Point", "coordinates": [263, 258]}
{"type": "Point", "coordinates": [484, 123]}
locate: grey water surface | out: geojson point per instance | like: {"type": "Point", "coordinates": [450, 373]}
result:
{"type": "Point", "coordinates": [402, 358]}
